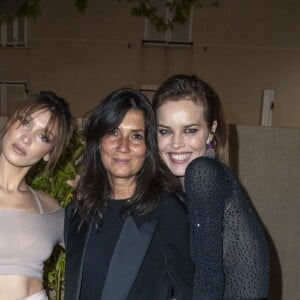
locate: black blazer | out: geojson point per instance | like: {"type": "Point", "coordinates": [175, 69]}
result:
{"type": "Point", "coordinates": [150, 260]}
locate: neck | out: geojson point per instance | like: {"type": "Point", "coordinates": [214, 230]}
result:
{"type": "Point", "coordinates": [12, 178]}
{"type": "Point", "coordinates": [123, 188]}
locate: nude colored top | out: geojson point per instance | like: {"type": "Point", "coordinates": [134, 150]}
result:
{"type": "Point", "coordinates": [27, 240]}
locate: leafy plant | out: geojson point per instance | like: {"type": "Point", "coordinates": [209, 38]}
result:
{"type": "Point", "coordinates": [30, 8]}
{"type": "Point", "coordinates": [178, 10]}
{"type": "Point", "coordinates": [55, 184]}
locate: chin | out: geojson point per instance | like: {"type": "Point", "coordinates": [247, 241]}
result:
{"type": "Point", "coordinates": [178, 173]}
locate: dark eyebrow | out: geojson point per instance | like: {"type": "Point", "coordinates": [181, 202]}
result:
{"type": "Point", "coordinates": [186, 126]}
{"type": "Point", "coordinates": [161, 125]}
{"type": "Point", "coordinates": [190, 125]}
{"type": "Point", "coordinates": [138, 130]}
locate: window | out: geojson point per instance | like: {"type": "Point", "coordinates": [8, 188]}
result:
{"type": "Point", "coordinates": [180, 35]}
{"type": "Point", "coordinates": [13, 32]}
{"type": "Point", "coordinates": [12, 94]}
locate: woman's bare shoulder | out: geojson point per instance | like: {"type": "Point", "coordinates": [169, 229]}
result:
{"type": "Point", "coordinates": [48, 202]}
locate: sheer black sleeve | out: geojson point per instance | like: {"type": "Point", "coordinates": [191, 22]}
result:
{"type": "Point", "coordinates": [206, 186]}
{"type": "Point", "coordinates": [228, 245]}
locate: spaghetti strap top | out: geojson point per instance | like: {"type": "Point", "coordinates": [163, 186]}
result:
{"type": "Point", "coordinates": [37, 199]}
{"type": "Point", "coordinates": [27, 239]}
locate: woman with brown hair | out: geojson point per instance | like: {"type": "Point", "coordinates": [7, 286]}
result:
{"type": "Point", "coordinates": [228, 245]}
{"type": "Point", "coordinates": [31, 221]}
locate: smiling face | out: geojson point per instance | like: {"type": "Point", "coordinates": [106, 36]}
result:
{"type": "Point", "coordinates": [26, 142]}
{"type": "Point", "coordinates": [123, 149]}
{"type": "Point", "coordinates": [182, 133]}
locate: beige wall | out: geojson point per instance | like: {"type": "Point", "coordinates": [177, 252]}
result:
{"type": "Point", "coordinates": [267, 162]}
{"type": "Point", "coordinates": [240, 47]}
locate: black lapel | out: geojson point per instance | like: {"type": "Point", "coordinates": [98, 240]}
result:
{"type": "Point", "coordinates": [127, 258]}
{"type": "Point", "coordinates": [75, 253]}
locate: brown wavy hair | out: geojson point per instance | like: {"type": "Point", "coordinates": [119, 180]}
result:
{"type": "Point", "coordinates": [181, 86]}
{"type": "Point", "coordinates": [60, 116]}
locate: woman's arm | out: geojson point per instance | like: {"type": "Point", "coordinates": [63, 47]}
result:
{"type": "Point", "coordinates": [206, 187]}
{"type": "Point", "coordinates": [50, 205]}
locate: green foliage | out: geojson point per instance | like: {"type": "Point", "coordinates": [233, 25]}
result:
{"type": "Point", "coordinates": [147, 10]}
{"type": "Point", "coordinates": [55, 274]}
{"type": "Point", "coordinates": [30, 8]}
{"type": "Point", "coordinates": [178, 10]}
{"type": "Point", "coordinates": [81, 5]}
{"type": "Point", "coordinates": [54, 183]}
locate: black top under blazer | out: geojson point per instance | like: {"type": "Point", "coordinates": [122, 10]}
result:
{"type": "Point", "coordinates": [150, 261]}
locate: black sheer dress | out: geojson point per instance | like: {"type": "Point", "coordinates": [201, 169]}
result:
{"type": "Point", "coordinates": [228, 245]}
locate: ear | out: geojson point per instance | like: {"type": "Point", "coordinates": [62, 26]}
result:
{"type": "Point", "coordinates": [46, 157]}
{"type": "Point", "coordinates": [212, 132]}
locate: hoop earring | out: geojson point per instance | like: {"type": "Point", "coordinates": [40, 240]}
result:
{"type": "Point", "coordinates": [210, 151]}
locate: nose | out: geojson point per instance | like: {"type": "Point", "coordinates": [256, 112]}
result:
{"type": "Point", "coordinates": [177, 141]}
{"type": "Point", "coordinates": [123, 145]}
{"type": "Point", "coordinates": [26, 140]}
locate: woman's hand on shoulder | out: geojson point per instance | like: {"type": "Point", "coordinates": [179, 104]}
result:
{"type": "Point", "coordinates": [73, 182]}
